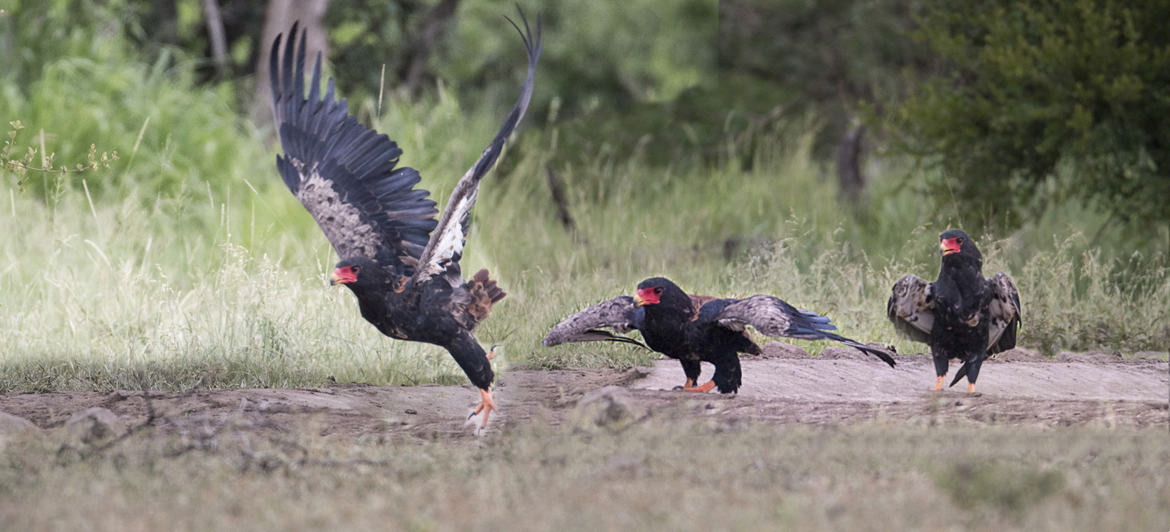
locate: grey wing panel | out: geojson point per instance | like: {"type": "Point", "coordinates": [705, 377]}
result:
{"type": "Point", "coordinates": [344, 173]}
{"type": "Point", "coordinates": [618, 314]}
{"type": "Point", "coordinates": [911, 308]}
{"type": "Point", "coordinates": [770, 316]}
{"type": "Point", "coordinates": [445, 246]}
{"type": "Point", "coordinates": [774, 317]}
{"type": "Point", "coordinates": [1004, 312]}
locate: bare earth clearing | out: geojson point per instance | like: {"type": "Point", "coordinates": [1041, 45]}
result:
{"type": "Point", "coordinates": [783, 386]}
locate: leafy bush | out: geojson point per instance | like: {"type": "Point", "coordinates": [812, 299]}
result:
{"type": "Point", "coordinates": [1045, 101]}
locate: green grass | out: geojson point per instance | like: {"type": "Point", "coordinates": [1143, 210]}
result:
{"type": "Point", "coordinates": [186, 263]}
{"type": "Point", "coordinates": [654, 475]}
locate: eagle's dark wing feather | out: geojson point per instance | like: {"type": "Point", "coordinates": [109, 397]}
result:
{"type": "Point", "coordinates": [618, 314]}
{"type": "Point", "coordinates": [1004, 311]}
{"type": "Point", "coordinates": [445, 247]}
{"type": "Point", "coordinates": [342, 172]}
{"type": "Point", "coordinates": [911, 308]}
{"type": "Point", "coordinates": [773, 317]}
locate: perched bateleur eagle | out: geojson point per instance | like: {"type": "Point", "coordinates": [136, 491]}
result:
{"type": "Point", "coordinates": [400, 262]}
{"type": "Point", "coordinates": [961, 315]}
{"type": "Point", "coordinates": [696, 329]}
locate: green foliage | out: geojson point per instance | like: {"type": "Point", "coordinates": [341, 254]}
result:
{"type": "Point", "coordinates": [1046, 101]}
{"type": "Point", "coordinates": [365, 37]}
{"type": "Point", "coordinates": [614, 53]}
{"type": "Point", "coordinates": [33, 32]}
{"type": "Point", "coordinates": [595, 54]}
{"type": "Point", "coordinates": [832, 58]}
{"type": "Point", "coordinates": [91, 88]}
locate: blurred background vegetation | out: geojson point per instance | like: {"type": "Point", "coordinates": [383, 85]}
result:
{"type": "Point", "coordinates": [812, 150]}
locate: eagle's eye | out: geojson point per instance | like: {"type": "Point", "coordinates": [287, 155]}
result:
{"type": "Point", "coordinates": [658, 290]}
{"type": "Point", "coordinates": [355, 269]}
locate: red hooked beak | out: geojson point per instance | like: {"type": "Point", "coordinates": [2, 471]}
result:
{"type": "Point", "coordinates": [645, 296]}
{"type": "Point", "coordinates": [949, 245]}
{"type": "Point", "coordinates": [343, 275]}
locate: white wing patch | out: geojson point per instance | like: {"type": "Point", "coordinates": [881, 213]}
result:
{"type": "Point", "coordinates": [450, 242]}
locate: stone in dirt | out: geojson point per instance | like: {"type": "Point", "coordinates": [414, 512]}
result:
{"type": "Point", "coordinates": [12, 425]}
{"type": "Point", "coordinates": [611, 406]}
{"type": "Point", "coordinates": [94, 425]}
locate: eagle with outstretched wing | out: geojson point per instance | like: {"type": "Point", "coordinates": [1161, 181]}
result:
{"type": "Point", "coordinates": [696, 329]}
{"type": "Point", "coordinates": [961, 315]}
{"type": "Point", "coordinates": [400, 262]}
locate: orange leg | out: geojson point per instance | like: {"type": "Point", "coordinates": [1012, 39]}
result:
{"type": "Point", "coordinates": [492, 353]}
{"type": "Point", "coordinates": [937, 385]}
{"type": "Point", "coordinates": [486, 405]}
{"type": "Point", "coordinates": [704, 388]}
{"type": "Point", "coordinates": [970, 387]}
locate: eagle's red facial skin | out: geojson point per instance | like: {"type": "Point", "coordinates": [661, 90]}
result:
{"type": "Point", "coordinates": [343, 275]}
{"type": "Point", "coordinates": [646, 296]}
{"type": "Point", "coordinates": [950, 245]}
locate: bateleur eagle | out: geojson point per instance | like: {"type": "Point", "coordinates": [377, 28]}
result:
{"type": "Point", "coordinates": [400, 262]}
{"type": "Point", "coordinates": [696, 329]}
{"type": "Point", "coordinates": [961, 315]}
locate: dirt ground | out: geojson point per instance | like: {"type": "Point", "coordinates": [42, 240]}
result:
{"type": "Point", "coordinates": [784, 385]}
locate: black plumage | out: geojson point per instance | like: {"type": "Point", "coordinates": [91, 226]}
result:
{"type": "Point", "coordinates": [400, 262]}
{"type": "Point", "coordinates": [961, 315]}
{"type": "Point", "coordinates": [696, 329]}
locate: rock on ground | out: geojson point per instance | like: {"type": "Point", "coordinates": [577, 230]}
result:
{"type": "Point", "coordinates": [11, 425]}
{"type": "Point", "coordinates": [94, 425]}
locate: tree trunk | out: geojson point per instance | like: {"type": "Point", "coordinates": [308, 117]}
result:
{"type": "Point", "coordinates": [558, 195]}
{"type": "Point", "coordinates": [216, 34]}
{"type": "Point", "coordinates": [278, 19]}
{"type": "Point", "coordinates": [849, 175]}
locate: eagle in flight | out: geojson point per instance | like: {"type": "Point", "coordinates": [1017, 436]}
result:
{"type": "Point", "coordinates": [400, 262]}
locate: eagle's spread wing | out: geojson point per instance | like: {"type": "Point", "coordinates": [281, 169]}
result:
{"type": "Point", "coordinates": [343, 172]}
{"type": "Point", "coordinates": [618, 314]}
{"type": "Point", "coordinates": [911, 308]}
{"type": "Point", "coordinates": [1004, 311]}
{"type": "Point", "coordinates": [445, 247]}
{"type": "Point", "coordinates": [769, 315]}
{"type": "Point", "coordinates": [773, 317]}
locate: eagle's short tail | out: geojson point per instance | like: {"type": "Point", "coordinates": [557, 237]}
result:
{"type": "Point", "coordinates": [484, 294]}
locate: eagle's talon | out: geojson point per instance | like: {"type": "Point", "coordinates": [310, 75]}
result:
{"type": "Point", "coordinates": [486, 406]}
{"type": "Point", "coordinates": [703, 388]}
